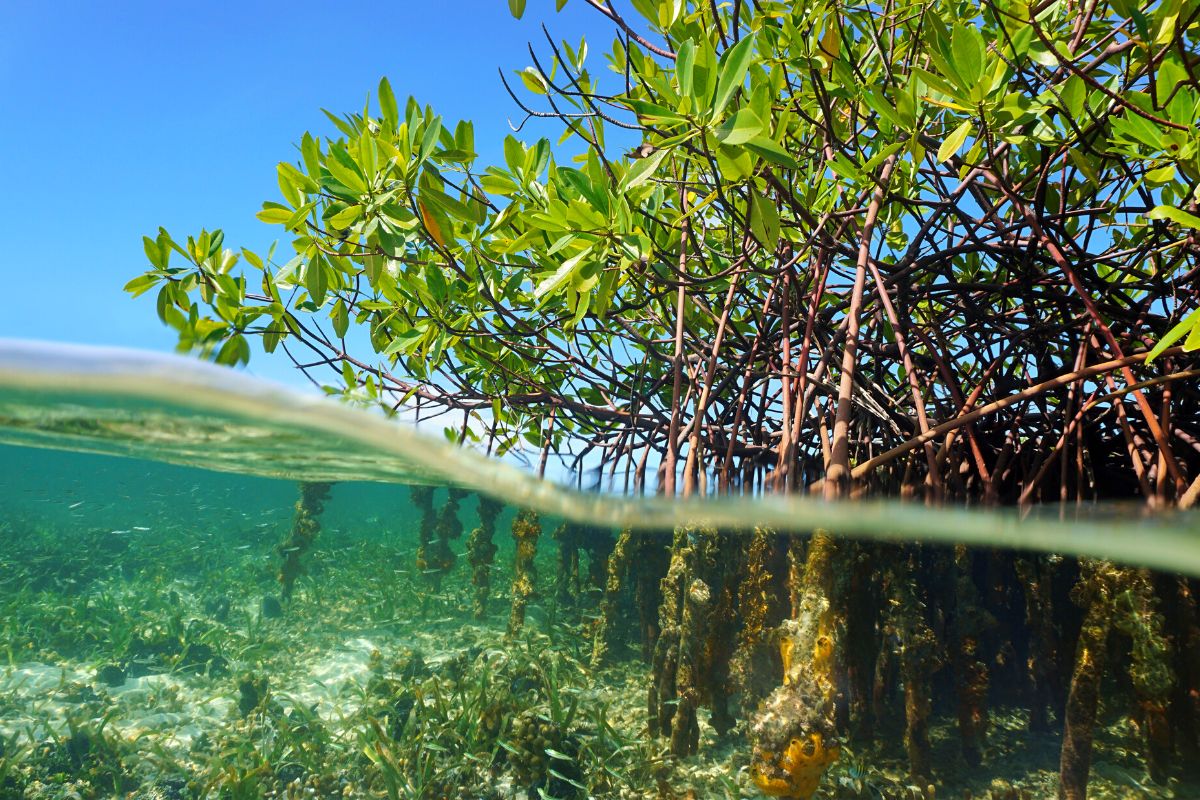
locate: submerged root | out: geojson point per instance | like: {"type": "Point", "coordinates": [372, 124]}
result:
{"type": "Point", "coordinates": [918, 659]}
{"type": "Point", "coordinates": [690, 663]}
{"type": "Point", "coordinates": [1137, 615]}
{"type": "Point", "coordinates": [1094, 592]}
{"type": "Point", "coordinates": [617, 569]}
{"type": "Point", "coordinates": [440, 557]}
{"type": "Point", "coordinates": [794, 734]}
{"type": "Point", "coordinates": [481, 553]}
{"type": "Point", "coordinates": [570, 538]}
{"type": "Point", "coordinates": [305, 526]}
{"type": "Point", "coordinates": [598, 543]}
{"type": "Point", "coordinates": [754, 668]}
{"type": "Point", "coordinates": [422, 498]}
{"type": "Point", "coordinates": [1036, 575]}
{"type": "Point", "coordinates": [971, 677]}
{"type": "Point", "coordinates": [526, 529]}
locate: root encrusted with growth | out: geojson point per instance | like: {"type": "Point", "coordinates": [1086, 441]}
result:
{"type": "Point", "coordinates": [306, 524]}
{"type": "Point", "coordinates": [526, 529]}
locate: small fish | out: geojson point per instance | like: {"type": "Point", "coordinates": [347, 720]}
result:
{"type": "Point", "coordinates": [140, 528]}
{"type": "Point", "coordinates": [75, 505]}
{"type": "Point", "coordinates": [242, 547]}
{"type": "Point", "coordinates": [118, 532]}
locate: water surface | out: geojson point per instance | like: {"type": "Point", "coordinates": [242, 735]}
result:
{"type": "Point", "coordinates": [148, 505]}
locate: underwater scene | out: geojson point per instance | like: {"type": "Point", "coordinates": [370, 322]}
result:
{"type": "Point", "coordinates": [205, 597]}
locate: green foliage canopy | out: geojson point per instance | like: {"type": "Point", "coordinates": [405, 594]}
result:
{"type": "Point", "coordinates": [901, 207]}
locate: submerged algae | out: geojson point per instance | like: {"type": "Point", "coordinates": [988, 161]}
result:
{"type": "Point", "coordinates": [359, 693]}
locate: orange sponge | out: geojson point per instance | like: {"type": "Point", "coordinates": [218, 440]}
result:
{"type": "Point", "coordinates": [796, 772]}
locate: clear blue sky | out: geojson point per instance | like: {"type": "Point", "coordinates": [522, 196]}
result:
{"type": "Point", "coordinates": [118, 117]}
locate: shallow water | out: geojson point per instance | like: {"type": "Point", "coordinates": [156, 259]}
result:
{"type": "Point", "coordinates": [148, 506]}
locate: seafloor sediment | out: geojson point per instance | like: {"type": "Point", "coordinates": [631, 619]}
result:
{"type": "Point", "coordinates": [138, 665]}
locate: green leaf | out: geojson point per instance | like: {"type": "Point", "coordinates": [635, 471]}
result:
{"type": "Point", "coordinates": [436, 282]}
{"type": "Point", "coordinates": [464, 137]}
{"type": "Point", "coordinates": [685, 58]}
{"type": "Point", "coordinates": [1193, 339]}
{"type": "Point", "coordinates": [143, 283]}
{"type": "Point", "coordinates": [533, 80]}
{"type": "Point", "coordinates": [1189, 326]}
{"type": "Point", "coordinates": [429, 139]}
{"type": "Point", "coordinates": [517, 7]}
{"type": "Point", "coordinates": [581, 301]}
{"type": "Point", "coordinates": [1074, 95]}
{"type": "Point", "coordinates": [768, 149]}
{"type": "Point", "coordinates": [310, 150]}
{"type": "Point", "coordinates": [315, 281]}
{"type": "Point", "coordinates": [339, 123]}
{"type": "Point", "coordinates": [340, 318]}
{"type": "Point", "coordinates": [740, 128]}
{"type": "Point", "coordinates": [561, 275]}
{"type": "Point", "coordinates": [877, 102]}
{"type": "Point", "coordinates": [298, 216]}
{"type": "Point", "coordinates": [668, 12]}
{"type": "Point", "coordinates": [582, 184]}
{"type": "Point", "coordinates": [274, 214]}
{"type": "Point", "coordinates": [405, 342]}
{"type": "Point", "coordinates": [640, 172]}
{"type": "Point", "coordinates": [283, 275]}
{"type": "Point", "coordinates": [940, 84]}
{"type": "Point", "coordinates": [271, 336]}
{"type": "Point", "coordinates": [253, 258]}
{"type": "Point", "coordinates": [343, 173]}
{"type": "Point", "coordinates": [1162, 174]}
{"type": "Point", "coordinates": [514, 153]}
{"type": "Point", "coordinates": [346, 217]}
{"type": "Point", "coordinates": [236, 350]}
{"type": "Point", "coordinates": [287, 172]}
{"type": "Point", "coordinates": [157, 255]}
{"type": "Point", "coordinates": [967, 50]}
{"type": "Point", "coordinates": [734, 64]}
{"type": "Point", "coordinates": [368, 155]}
{"type": "Point", "coordinates": [387, 104]}
{"type": "Point", "coordinates": [704, 72]}
{"type": "Point", "coordinates": [954, 141]}
{"type": "Point", "coordinates": [1175, 215]}
{"type": "Point", "coordinates": [651, 112]}
{"type": "Point", "coordinates": [764, 221]}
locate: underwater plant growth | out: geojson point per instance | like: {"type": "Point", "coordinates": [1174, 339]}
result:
{"type": "Point", "coordinates": [142, 662]}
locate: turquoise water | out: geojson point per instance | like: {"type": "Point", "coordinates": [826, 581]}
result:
{"type": "Point", "coordinates": [152, 644]}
